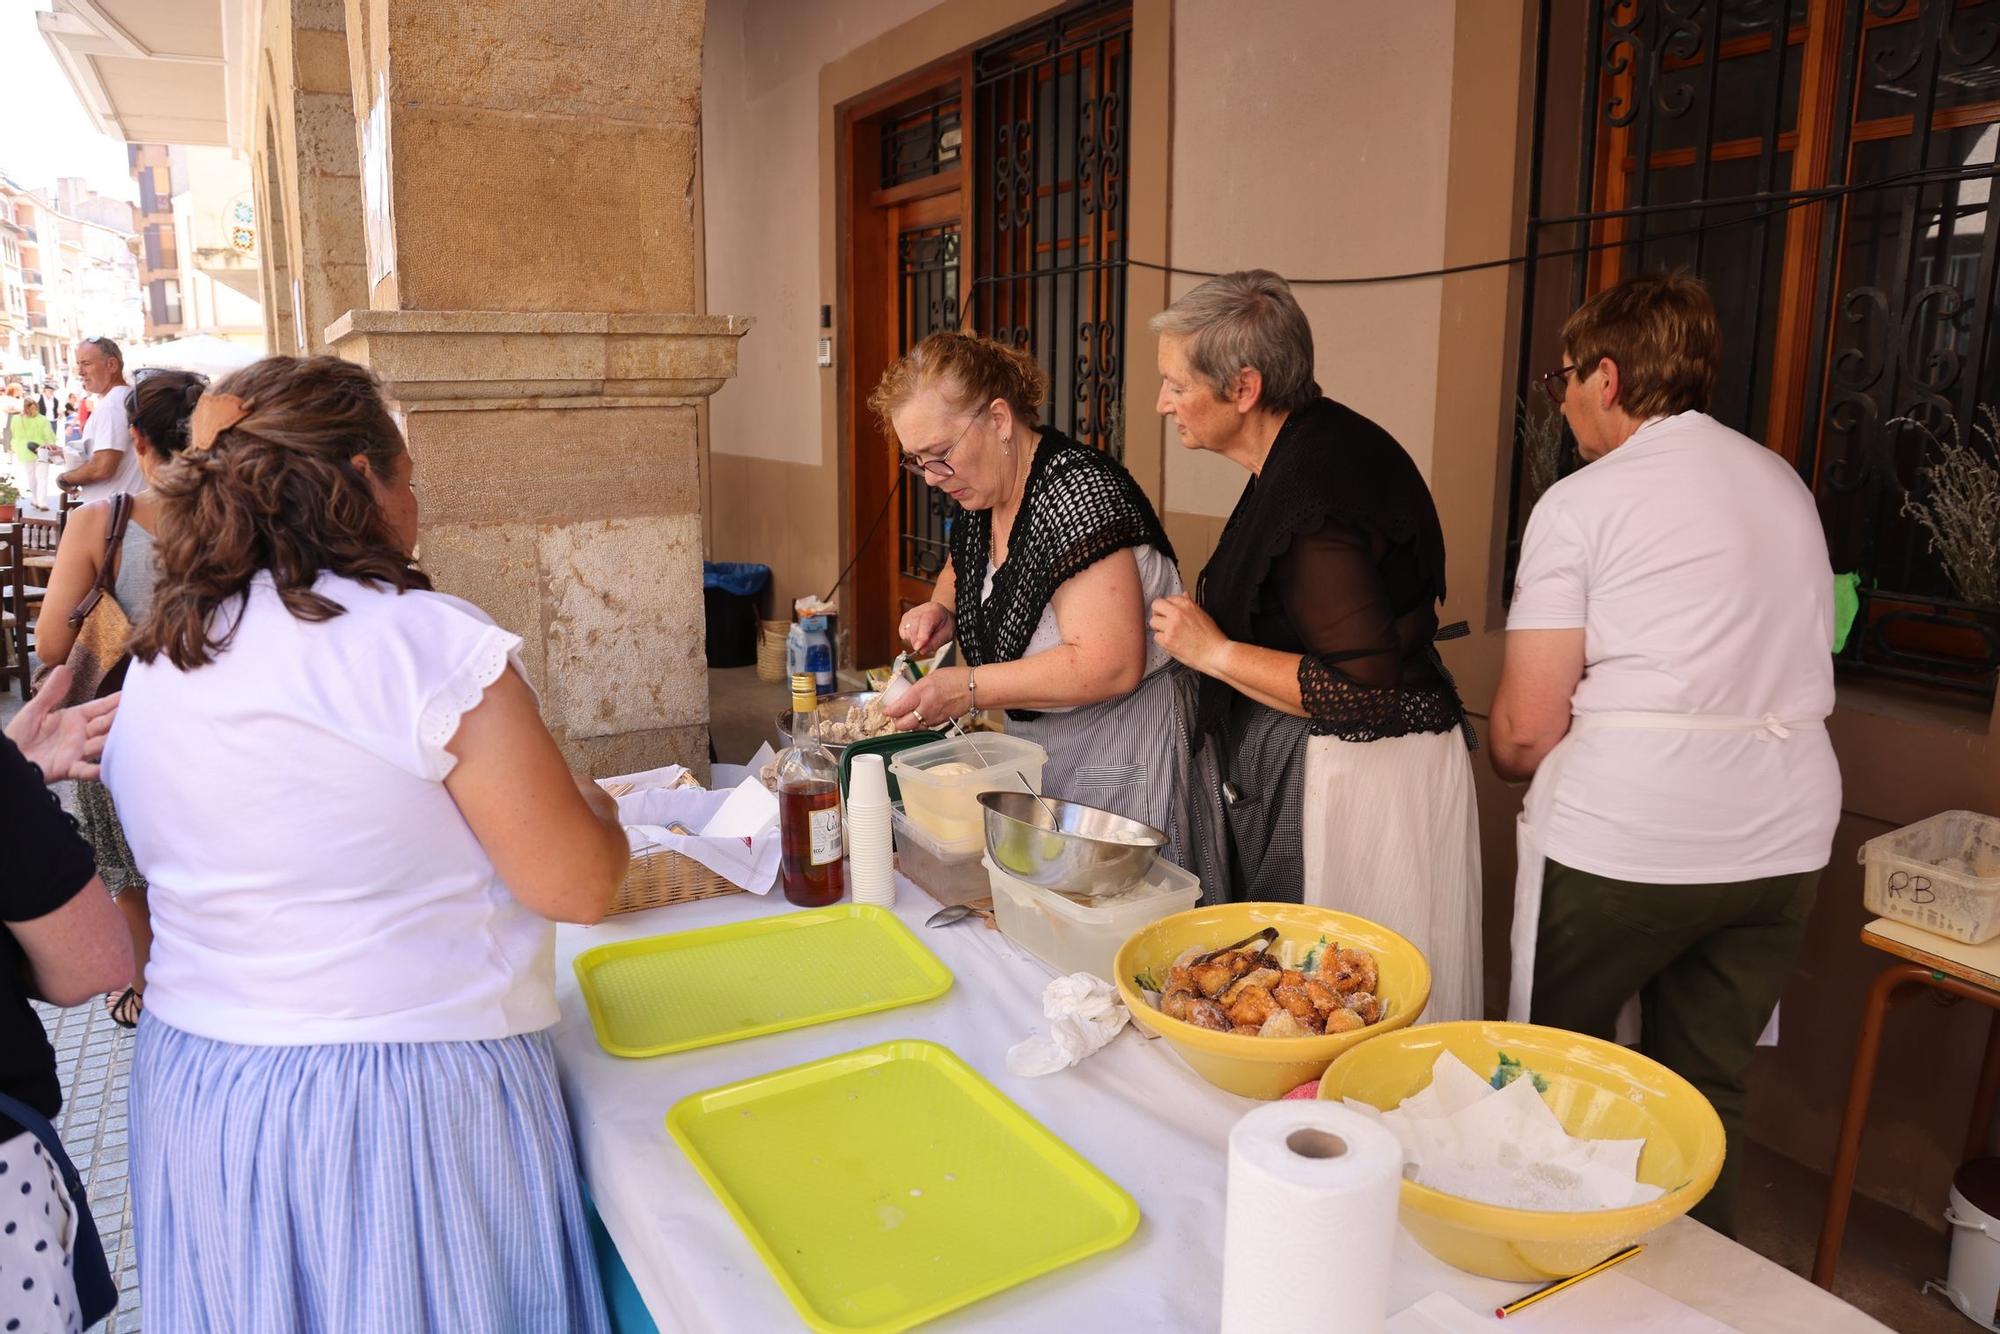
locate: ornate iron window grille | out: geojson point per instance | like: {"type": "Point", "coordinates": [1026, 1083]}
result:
{"type": "Point", "coordinates": [1681, 156]}
{"type": "Point", "coordinates": [921, 142]}
{"type": "Point", "coordinates": [1049, 112]}
{"type": "Point", "coordinates": [927, 301]}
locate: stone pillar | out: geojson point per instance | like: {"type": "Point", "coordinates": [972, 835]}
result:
{"type": "Point", "coordinates": [527, 181]}
{"type": "Point", "coordinates": [329, 254]}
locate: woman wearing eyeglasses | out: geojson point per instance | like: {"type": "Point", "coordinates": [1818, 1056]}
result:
{"type": "Point", "coordinates": [1330, 766]}
{"type": "Point", "coordinates": [1053, 562]}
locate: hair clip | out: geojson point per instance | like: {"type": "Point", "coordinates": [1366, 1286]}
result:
{"type": "Point", "coordinates": [214, 414]}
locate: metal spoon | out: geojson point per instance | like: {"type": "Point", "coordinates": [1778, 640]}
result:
{"type": "Point", "coordinates": [957, 912]}
{"type": "Point", "coordinates": [1054, 823]}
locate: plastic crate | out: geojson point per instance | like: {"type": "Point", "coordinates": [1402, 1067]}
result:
{"type": "Point", "coordinates": [1942, 874]}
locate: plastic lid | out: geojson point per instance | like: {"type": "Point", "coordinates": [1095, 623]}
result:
{"type": "Point", "coordinates": [1164, 880]}
{"type": "Point", "coordinates": [981, 750]}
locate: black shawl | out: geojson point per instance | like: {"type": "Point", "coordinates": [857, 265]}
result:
{"type": "Point", "coordinates": [1077, 507]}
{"type": "Point", "coordinates": [1329, 464]}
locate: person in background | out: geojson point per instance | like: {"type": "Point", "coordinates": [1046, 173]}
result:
{"type": "Point", "coordinates": [357, 834]}
{"type": "Point", "coordinates": [1332, 767]}
{"type": "Point", "coordinates": [28, 434]}
{"type": "Point", "coordinates": [1051, 567]}
{"type": "Point", "coordinates": [162, 403]}
{"type": "Point", "coordinates": [60, 942]}
{"type": "Point", "coordinates": [109, 467]}
{"type": "Point", "coordinates": [1668, 675]}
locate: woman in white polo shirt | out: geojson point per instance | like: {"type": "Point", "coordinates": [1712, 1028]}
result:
{"type": "Point", "coordinates": [1669, 672]}
{"type": "Point", "coordinates": [357, 831]}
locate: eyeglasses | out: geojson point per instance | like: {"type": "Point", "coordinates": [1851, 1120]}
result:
{"type": "Point", "coordinates": [1555, 383]}
{"type": "Point", "coordinates": [935, 467]}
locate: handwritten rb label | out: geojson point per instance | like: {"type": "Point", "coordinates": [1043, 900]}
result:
{"type": "Point", "coordinates": [1913, 888]}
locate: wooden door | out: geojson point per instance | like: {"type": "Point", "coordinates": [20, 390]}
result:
{"type": "Point", "coordinates": [904, 202]}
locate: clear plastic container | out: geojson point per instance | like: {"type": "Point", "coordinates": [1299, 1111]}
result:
{"type": "Point", "coordinates": [1942, 874]}
{"type": "Point", "coordinates": [941, 783]}
{"type": "Point", "coordinates": [1071, 937]}
{"type": "Point", "coordinates": [949, 877]}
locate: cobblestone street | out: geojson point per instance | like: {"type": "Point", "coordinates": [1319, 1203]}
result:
{"type": "Point", "coordinates": [94, 1057]}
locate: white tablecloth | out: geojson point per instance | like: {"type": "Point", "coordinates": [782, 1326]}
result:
{"type": "Point", "coordinates": [1133, 1109]}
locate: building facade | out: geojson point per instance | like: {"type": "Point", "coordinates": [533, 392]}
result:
{"type": "Point", "coordinates": [62, 277]}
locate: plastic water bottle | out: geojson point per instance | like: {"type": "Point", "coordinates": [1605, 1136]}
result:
{"type": "Point", "coordinates": [795, 651]}
{"type": "Point", "coordinates": [819, 652]}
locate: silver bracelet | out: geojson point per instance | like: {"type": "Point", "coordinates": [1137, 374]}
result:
{"type": "Point", "coordinates": [972, 689]}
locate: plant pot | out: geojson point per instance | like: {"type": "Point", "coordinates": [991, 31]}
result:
{"type": "Point", "coordinates": [10, 513]}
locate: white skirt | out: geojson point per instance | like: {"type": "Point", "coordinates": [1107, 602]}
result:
{"type": "Point", "coordinates": [1392, 834]}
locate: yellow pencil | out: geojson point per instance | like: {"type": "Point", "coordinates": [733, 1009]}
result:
{"type": "Point", "coordinates": [1561, 1283]}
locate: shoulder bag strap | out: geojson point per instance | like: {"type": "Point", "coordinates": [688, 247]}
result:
{"type": "Point", "coordinates": [107, 566]}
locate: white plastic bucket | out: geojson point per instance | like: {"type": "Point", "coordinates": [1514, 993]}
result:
{"type": "Point", "coordinates": [1973, 1280]}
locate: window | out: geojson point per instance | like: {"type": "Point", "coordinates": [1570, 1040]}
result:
{"type": "Point", "coordinates": [1825, 168]}
{"type": "Point", "coordinates": [160, 249]}
{"type": "Point", "coordinates": [156, 190]}
{"type": "Point", "coordinates": [164, 295]}
{"type": "Point", "coordinates": [1048, 248]}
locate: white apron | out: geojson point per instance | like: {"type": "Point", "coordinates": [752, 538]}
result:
{"type": "Point", "coordinates": [1534, 817]}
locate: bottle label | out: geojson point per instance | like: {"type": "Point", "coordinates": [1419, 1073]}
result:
{"type": "Point", "coordinates": [826, 836]}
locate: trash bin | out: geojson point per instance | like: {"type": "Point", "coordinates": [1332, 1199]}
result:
{"type": "Point", "coordinates": [730, 592]}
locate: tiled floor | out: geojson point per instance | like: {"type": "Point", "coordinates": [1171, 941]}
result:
{"type": "Point", "coordinates": [94, 1057]}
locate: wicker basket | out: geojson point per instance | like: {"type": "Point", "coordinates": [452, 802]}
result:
{"type": "Point", "coordinates": [660, 879]}
{"type": "Point", "coordinates": [771, 650]}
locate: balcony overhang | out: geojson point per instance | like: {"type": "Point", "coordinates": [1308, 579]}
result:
{"type": "Point", "coordinates": [159, 71]}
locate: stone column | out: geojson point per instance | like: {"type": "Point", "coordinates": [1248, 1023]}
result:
{"type": "Point", "coordinates": [329, 254]}
{"type": "Point", "coordinates": [527, 182]}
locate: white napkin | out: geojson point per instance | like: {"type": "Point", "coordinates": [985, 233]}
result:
{"type": "Point", "coordinates": [1084, 1013]}
{"type": "Point", "coordinates": [665, 776]}
{"type": "Point", "coordinates": [1506, 1147]}
{"type": "Point", "coordinates": [747, 862]}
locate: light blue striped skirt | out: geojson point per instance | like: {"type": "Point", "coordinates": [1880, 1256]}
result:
{"type": "Point", "coordinates": [358, 1187]}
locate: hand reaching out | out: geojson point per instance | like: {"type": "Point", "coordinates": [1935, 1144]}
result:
{"type": "Point", "coordinates": [63, 743]}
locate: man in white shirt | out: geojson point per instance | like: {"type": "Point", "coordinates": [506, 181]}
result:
{"type": "Point", "coordinates": [110, 465]}
{"type": "Point", "coordinates": [1668, 675]}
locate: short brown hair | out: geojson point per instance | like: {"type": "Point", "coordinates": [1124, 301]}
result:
{"type": "Point", "coordinates": [278, 490]}
{"type": "Point", "coordinates": [1661, 332]}
{"type": "Point", "coordinates": [971, 371]}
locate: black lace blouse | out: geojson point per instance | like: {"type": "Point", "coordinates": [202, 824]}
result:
{"type": "Point", "coordinates": [1335, 553]}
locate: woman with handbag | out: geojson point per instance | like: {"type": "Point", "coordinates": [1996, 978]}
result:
{"type": "Point", "coordinates": [60, 942]}
{"type": "Point", "coordinates": [102, 585]}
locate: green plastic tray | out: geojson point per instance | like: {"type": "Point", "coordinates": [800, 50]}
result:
{"type": "Point", "coordinates": [720, 983]}
{"type": "Point", "coordinates": [890, 1185]}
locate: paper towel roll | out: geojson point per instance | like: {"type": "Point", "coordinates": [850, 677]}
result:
{"type": "Point", "coordinates": [1311, 1219]}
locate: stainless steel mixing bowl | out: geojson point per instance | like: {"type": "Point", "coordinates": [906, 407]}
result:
{"type": "Point", "coordinates": [1078, 851]}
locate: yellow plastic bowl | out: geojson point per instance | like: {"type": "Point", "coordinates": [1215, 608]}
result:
{"type": "Point", "coordinates": [1598, 1090]}
{"type": "Point", "coordinates": [1269, 1068]}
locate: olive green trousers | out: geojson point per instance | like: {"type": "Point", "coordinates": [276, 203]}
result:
{"type": "Point", "coordinates": [1708, 963]}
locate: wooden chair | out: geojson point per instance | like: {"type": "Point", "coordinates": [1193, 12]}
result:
{"type": "Point", "coordinates": [14, 611]}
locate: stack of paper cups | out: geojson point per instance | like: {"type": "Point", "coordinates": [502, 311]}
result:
{"type": "Point", "coordinates": [1311, 1219]}
{"type": "Point", "coordinates": [871, 870]}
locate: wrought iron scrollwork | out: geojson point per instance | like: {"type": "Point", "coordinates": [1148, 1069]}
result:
{"type": "Point", "coordinates": [1050, 106]}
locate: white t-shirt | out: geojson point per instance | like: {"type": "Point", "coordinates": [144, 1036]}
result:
{"type": "Point", "coordinates": [109, 427]}
{"type": "Point", "coordinates": [1158, 578]}
{"type": "Point", "coordinates": [1694, 561]}
{"type": "Point", "coordinates": [312, 881]}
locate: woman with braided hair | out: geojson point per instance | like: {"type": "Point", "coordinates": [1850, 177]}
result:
{"type": "Point", "coordinates": [1330, 767]}
{"type": "Point", "coordinates": [357, 832]}
{"type": "Point", "coordinates": [1054, 559]}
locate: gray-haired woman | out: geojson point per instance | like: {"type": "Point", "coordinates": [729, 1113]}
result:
{"type": "Point", "coordinates": [1331, 769]}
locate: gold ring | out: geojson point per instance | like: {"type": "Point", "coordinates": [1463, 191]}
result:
{"type": "Point", "coordinates": [919, 714]}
